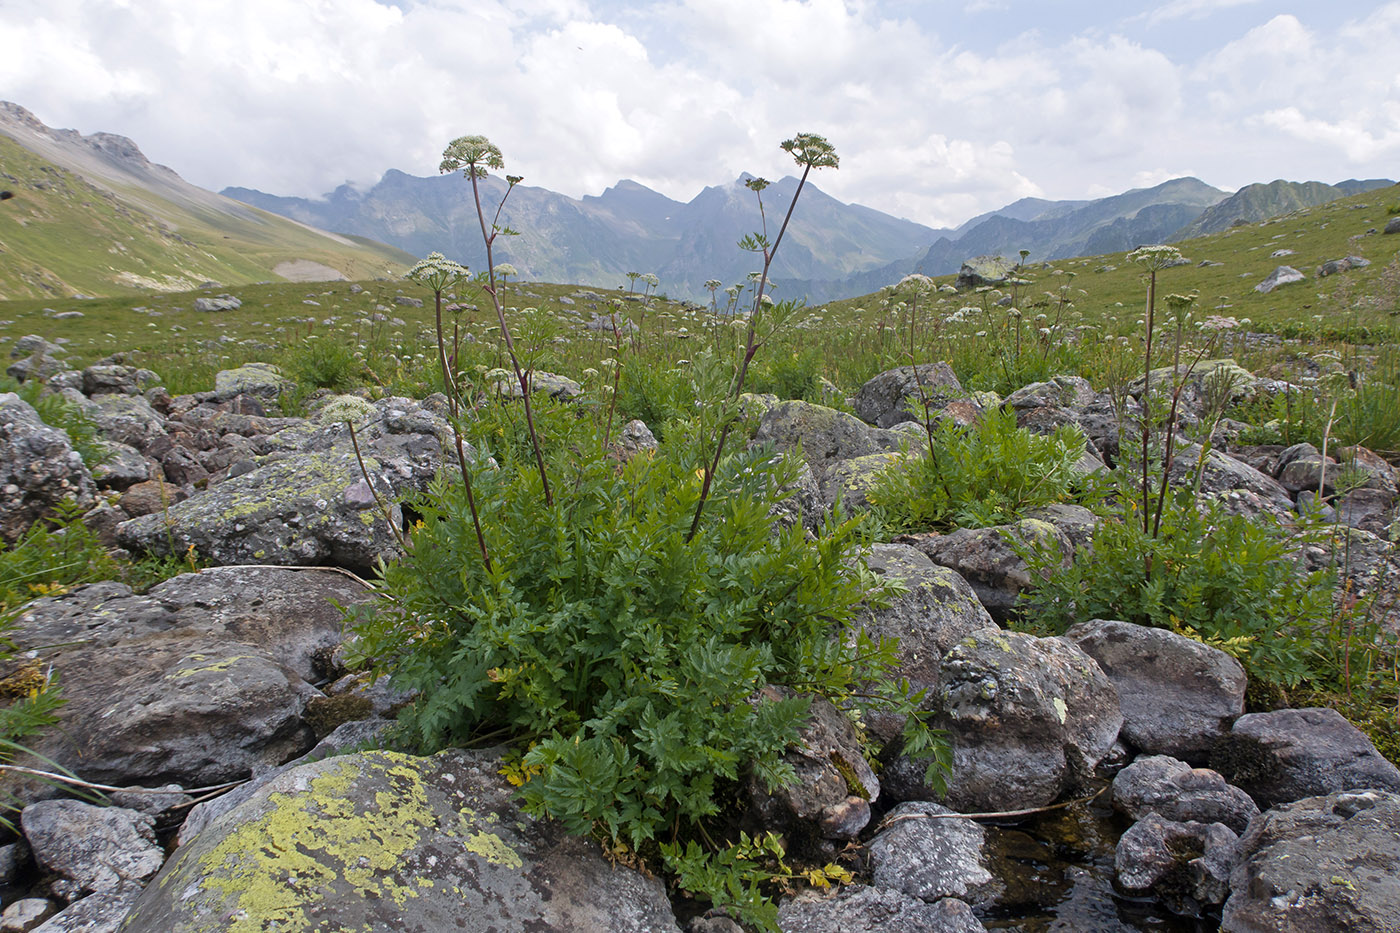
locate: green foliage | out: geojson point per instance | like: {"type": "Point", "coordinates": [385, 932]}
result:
{"type": "Point", "coordinates": [324, 363]}
{"type": "Point", "coordinates": [57, 412]}
{"type": "Point", "coordinates": [1213, 576]}
{"type": "Point", "coordinates": [795, 375]}
{"type": "Point", "coordinates": [46, 561]}
{"type": "Point", "coordinates": [634, 658]}
{"type": "Point", "coordinates": [989, 474]}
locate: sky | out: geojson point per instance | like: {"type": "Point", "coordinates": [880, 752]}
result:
{"type": "Point", "coordinates": [939, 109]}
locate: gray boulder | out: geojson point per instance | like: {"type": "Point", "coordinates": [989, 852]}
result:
{"type": "Point", "coordinates": [126, 419]}
{"type": "Point", "coordinates": [262, 380]}
{"type": "Point", "coordinates": [927, 854]}
{"type": "Point", "coordinates": [203, 680]}
{"type": "Point", "coordinates": [1072, 392]}
{"type": "Point", "coordinates": [123, 467]}
{"type": "Point", "coordinates": [96, 913]}
{"type": "Point", "coordinates": [118, 379]}
{"type": "Point", "coordinates": [825, 436]}
{"type": "Point", "coordinates": [1319, 865]}
{"type": "Point", "coordinates": [984, 270]}
{"type": "Point", "coordinates": [858, 908]}
{"type": "Point", "coordinates": [835, 785]}
{"type": "Point", "coordinates": [91, 849]}
{"type": "Point", "coordinates": [1028, 719]}
{"type": "Point", "coordinates": [380, 840]}
{"type": "Point", "coordinates": [551, 384]}
{"type": "Point", "coordinates": [38, 469]}
{"type": "Point", "coordinates": [1178, 696]}
{"type": "Point", "coordinates": [1392, 225]}
{"type": "Point", "coordinates": [221, 303]}
{"type": "Point", "coordinates": [987, 559]}
{"type": "Point", "coordinates": [886, 400]}
{"type": "Point", "coordinates": [1283, 275]}
{"type": "Point", "coordinates": [1240, 487]}
{"type": "Point", "coordinates": [1289, 754]}
{"type": "Point", "coordinates": [307, 501]}
{"type": "Point", "coordinates": [1186, 865]}
{"type": "Point", "coordinates": [1175, 791]}
{"type": "Point", "coordinates": [1301, 467]}
{"type": "Point", "coordinates": [936, 610]}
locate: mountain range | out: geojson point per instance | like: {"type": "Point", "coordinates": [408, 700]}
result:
{"type": "Point", "coordinates": [833, 250]}
{"type": "Point", "coordinates": [92, 215]}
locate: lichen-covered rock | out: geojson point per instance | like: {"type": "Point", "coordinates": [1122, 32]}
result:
{"type": "Point", "coordinates": [38, 468]}
{"type": "Point", "coordinates": [123, 467]}
{"type": "Point", "coordinates": [858, 908]}
{"type": "Point", "coordinates": [850, 481]}
{"type": "Point", "coordinates": [1061, 391]}
{"type": "Point", "coordinates": [835, 785]}
{"type": "Point", "coordinates": [551, 384]}
{"type": "Point", "coordinates": [826, 436]}
{"type": "Point", "coordinates": [1222, 475]}
{"type": "Point", "coordinates": [1319, 865]}
{"type": "Point", "coordinates": [385, 841]}
{"type": "Point", "coordinates": [257, 379]}
{"type": "Point", "coordinates": [1178, 696]}
{"type": "Point", "coordinates": [91, 849]}
{"type": "Point", "coordinates": [1302, 466]}
{"type": "Point", "coordinates": [302, 510]}
{"type": "Point", "coordinates": [985, 270]}
{"type": "Point", "coordinates": [96, 913]}
{"type": "Point", "coordinates": [1186, 865]}
{"type": "Point", "coordinates": [1289, 754]}
{"type": "Point", "coordinates": [126, 419]}
{"type": "Point", "coordinates": [204, 679]}
{"type": "Point", "coordinates": [936, 610]}
{"type": "Point", "coordinates": [887, 398]}
{"type": "Point", "coordinates": [1282, 275]}
{"type": "Point", "coordinates": [1028, 719]}
{"type": "Point", "coordinates": [932, 858]}
{"type": "Point", "coordinates": [987, 559]}
{"type": "Point", "coordinates": [1175, 791]}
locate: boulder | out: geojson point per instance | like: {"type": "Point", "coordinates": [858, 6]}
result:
{"type": "Point", "coordinates": [1175, 791]}
{"type": "Point", "coordinates": [118, 379]}
{"type": "Point", "coordinates": [1289, 754]}
{"type": "Point", "coordinates": [1028, 719]}
{"type": "Point", "coordinates": [850, 481]}
{"type": "Point", "coordinates": [306, 500]}
{"type": "Point", "coordinates": [551, 384]}
{"type": "Point", "coordinates": [1178, 696]}
{"type": "Point", "coordinates": [925, 853]}
{"type": "Point", "coordinates": [1319, 865]}
{"type": "Point", "coordinates": [1072, 392]}
{"type": "Point", "coordinates": [381, 840]}
{"type": "Point", "coordinates": [96, 913]}
{"type": "Point", "coordinates": [1392, 225]}
{"type": "Point", "coordinates": [262, 380]}
{"type": "Point", "coordinates": [1283, 275]}
{"type": "Point", "coordinates": [936, 610]}
{"type": "Point", "coordinates": [122, 467]}
{"type": "Point", "coordinates": [825, 436]}
{"type": "Point", "coordinates": [984, 270]}
{"type": "Point", "coordinates": [1301, 467]}
{"type": "Point", "coordinates": [205, 679]}
{"type": "Point", "coordinates": [221, 303]}
{"type": "Point", "coordinates": [1240, 487]}
{"type": "Point", "coordinates": [835, 785]}
{"type": "Point", "coordinates": [987, 559]}
{"type": "Point", "coordinates": [894, 396]}
{"type": "Point", "coordinates": [1186, 865]}
{"type": "Point", "coordinates": [91, 849]}
{"type": "Point", "coordinates": [858, 908]}
{"type": "Point", "coordinates": [38, 469]}
{"type": "Point", "coordinates": [126, 419]}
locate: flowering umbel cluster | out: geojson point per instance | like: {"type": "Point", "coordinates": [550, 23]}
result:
{"type": "Point", "coordinates": [473, 155]}
{"type": "Point", "coordinates": [437, 272]}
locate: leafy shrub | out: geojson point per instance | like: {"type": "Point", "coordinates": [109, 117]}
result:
{"type": "Point", "coordinates": [1213, 576]}
{"type": "Point", "coordinates": [324, 364]}
{"type": "Point", "coordinates": [795, 375]}
{"type": "Point", "coordinates": [633, 656]}
{"type": "Point", "coordinates": [655, 394]}
{"type": "Point", "coordinates": [989, 474]}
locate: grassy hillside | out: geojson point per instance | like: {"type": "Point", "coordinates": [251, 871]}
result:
{"type": "Point", "coordinates": [61, 235]}
{"type": "Point", "coordinates": [846, 342]}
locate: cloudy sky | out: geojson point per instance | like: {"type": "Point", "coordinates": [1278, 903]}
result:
{"type": "Point", "coordinates": [940, 109]}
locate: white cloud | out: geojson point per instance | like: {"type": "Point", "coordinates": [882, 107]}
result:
{"type": "Point", "coordinates": [295, 97]}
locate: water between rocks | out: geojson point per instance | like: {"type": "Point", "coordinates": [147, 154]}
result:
{"type": "Point", "coordinates": [1058, 872]}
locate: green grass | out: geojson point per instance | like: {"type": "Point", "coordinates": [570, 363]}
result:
{"type": "Point", "coordinates": [62, 235]}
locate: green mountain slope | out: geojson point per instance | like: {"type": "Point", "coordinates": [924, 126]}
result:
{"type": "Point", "coordinates": [90, 215]}
{"type": "Point", "coordinates": [1254, 203]}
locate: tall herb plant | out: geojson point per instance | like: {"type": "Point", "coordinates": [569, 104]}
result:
{"type": "Point", "coordinates": [617, 619]}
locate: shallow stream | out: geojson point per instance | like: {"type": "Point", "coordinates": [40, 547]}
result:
{"type": "Point", "coordinates": [1058, 872]}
